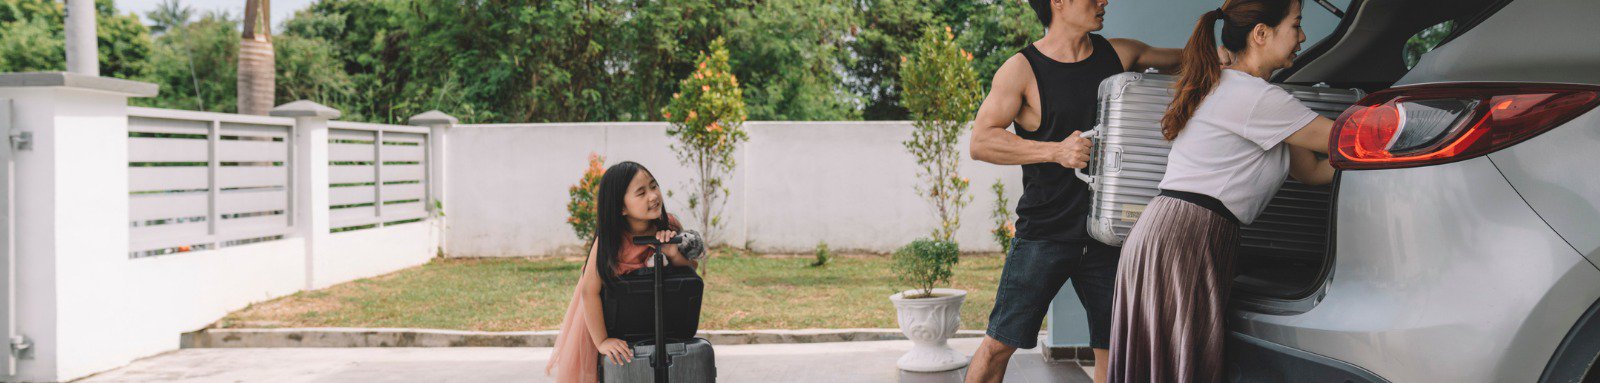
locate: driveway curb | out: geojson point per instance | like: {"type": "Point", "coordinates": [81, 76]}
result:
{"type": "Point", "coordinates": [408, 337]}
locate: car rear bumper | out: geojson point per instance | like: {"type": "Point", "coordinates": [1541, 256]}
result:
{"type": "Point", "coordinates": [1440, 273]}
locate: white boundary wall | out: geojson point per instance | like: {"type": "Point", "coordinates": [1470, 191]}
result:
{"type": "Point", "coordinates": [127, 235]}
{"type": "Point", "coordinates": [849, 184]}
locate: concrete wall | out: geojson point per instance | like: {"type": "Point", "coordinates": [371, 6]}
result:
{"type": "Point", "coordinates": [83, 301]}
{"type": "Point", "coordinates": [359, 254]}
{"type": "Point", "coordinates": [849, 184]}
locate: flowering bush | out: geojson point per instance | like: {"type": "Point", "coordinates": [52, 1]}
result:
{"type": "Point", "coordinates": [581, 208]}
{"type": "Point", "coordinates": [707, 116]}
{"type": "Point", "coordinates": [1004, 230]}
{"type": "Point", "coordinates": [941, 91]}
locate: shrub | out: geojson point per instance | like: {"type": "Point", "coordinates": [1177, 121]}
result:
{"type": "Point", "coordinates": [1004, 229]}
{"type": "Point", "coordinates": [926, 263]}
{"type": "Point", "coordinates": [823, 255]}
{"type": "Point", "coordinates": [581, 207]}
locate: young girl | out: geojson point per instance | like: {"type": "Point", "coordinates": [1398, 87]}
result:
{"type": "Point", "coordinates": [630, 205]}
{"type": "Point", "coordinates": [1234, 136]}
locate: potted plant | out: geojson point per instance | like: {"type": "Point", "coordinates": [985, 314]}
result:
{"type": "Point", "coordinates": [940, 90]}
{"type": "Point", "coordinates": [929, 316]}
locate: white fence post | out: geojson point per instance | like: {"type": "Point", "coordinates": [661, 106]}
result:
{"type": "Point", "coordinates": [70, 193]}
{"type": "Point", "coordinates": [438, 125]}
{"type": "Point", "coordinates": [310, 181]}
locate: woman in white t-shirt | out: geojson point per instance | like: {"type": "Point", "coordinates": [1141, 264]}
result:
{"type": "Point", "coordinates": [1234, 138]}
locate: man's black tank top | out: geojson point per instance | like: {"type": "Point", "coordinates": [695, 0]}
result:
{"type": "Point", "coordinates": [1055, 204]}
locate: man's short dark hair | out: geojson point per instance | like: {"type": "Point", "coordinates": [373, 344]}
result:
{"type": "Point", "coordinates": [1041, 8]}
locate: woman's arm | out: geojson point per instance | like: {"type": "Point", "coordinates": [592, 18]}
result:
{"type": "Point", "coordinates": [1303, 164]}
{"type": "Point", "coordinates": [1313, 136]}
{"type": "Point", "coordinates": [1307, 168]}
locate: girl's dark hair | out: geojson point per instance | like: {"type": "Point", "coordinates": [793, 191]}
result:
{"type": "Point", "coordinates": [1201, 70]}
{"type": "Point", "coordinates": [612, 227]}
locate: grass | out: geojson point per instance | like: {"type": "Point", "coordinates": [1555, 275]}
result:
{"type": "Point", "coordinates": [743, 292]}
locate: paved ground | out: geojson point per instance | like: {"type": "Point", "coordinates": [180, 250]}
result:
{"type": "Point", "coordinates": [814, 362]}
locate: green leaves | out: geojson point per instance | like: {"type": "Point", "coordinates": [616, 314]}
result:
{"type": "Point", "coordinates": [941, 93]}
{"type": "Point", "coordinates": [707, 115]}
{"type": "Point", "coordinates": [926, 263]}
{"type": "Point", "coordinates": [1004, 229]}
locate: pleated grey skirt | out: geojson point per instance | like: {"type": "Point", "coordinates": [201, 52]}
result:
{"type": "Point", "coordinates": [1172, 290]}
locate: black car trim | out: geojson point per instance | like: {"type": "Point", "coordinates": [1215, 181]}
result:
{"type": "Point", "coordinates": [1574, 360]}
{"type": "Point", "coordinates": [1251, 359]}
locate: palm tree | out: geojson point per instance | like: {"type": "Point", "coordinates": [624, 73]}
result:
{"type": "Point", "coordinates": [170, 14]}
{"type": "Point", "coordinates": [256, 63]}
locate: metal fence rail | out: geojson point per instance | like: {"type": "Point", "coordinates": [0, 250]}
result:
{"type": "Point", "coordinates": [201, 181]}
{"type": "Point", "coordinates": [377, 175]}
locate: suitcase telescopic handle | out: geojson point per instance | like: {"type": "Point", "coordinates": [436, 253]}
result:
{"type": "Point", "coordinates": [1087, 179]}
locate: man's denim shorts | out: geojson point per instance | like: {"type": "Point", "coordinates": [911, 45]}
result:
{"type": "Point", "coordinates": [1034, 272]}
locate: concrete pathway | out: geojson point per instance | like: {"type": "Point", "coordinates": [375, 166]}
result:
{"type": "Point", "coordinates": [813, 362]}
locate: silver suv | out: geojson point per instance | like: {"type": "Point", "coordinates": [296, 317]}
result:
{"type": "Point", "coordinates": [1462, 235]}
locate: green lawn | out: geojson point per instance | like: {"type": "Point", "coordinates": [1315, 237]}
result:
{"type": "Point", "coordinates": [510, 294]}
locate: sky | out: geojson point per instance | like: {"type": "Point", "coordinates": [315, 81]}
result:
{"type": "Point", "coordinates": [281, 9]}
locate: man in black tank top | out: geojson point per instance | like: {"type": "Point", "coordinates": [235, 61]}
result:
{"type": "Point", "coordinates": [1048, 92]}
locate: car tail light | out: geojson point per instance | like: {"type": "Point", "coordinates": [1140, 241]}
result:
{"type": "Point", "coordinates": [1435, 124]}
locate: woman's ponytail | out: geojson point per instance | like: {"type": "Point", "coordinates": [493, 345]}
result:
{"type": "Point", "coordinates": [1201, 70]}
{"type": "Point", "coordinates": [1198, 74]}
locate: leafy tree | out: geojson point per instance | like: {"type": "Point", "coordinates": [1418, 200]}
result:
{"type": "Point", "coordinates": [655, 47]}
{"type": "Point", "coordinates": [168, 15]}
{"type": "Point", "coordinates": [997, 32]}
{"type": "Point", "coordinates": [890, 27]}
{"type": "Point", "coordinates": [941, 92]}
{"type": "Point", "coordinates": [707, 116]}
{"type": "Point", "coordinates": [1425, 41]}
{"type": "Point", "coordinates": [34, 39]}
{"type": "Point", "coordinates": [794, 75]}
{"type": "Point", "coordinates": [196, 65]}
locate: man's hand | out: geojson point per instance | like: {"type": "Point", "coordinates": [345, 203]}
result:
{"type": "Point", "coordinates": [1072, 152]}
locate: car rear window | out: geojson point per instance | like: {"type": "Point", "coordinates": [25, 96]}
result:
{"type": "Point", "coordinates": [1167, 23]}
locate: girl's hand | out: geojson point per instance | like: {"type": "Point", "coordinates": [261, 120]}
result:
{"type": "Point", "coordinates": [665, 235]}
{"type": "Point", "coordinates": [617, 350]}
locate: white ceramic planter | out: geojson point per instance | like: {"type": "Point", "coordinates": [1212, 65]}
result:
{"type": "Point", "coordinates": [929, 323]}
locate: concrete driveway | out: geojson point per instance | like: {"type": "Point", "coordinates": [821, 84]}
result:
{"type": "Point", "coordinates": [813, 362]}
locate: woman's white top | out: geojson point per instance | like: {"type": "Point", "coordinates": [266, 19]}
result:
{"type": "Point", "coordinates": [1232, 149]}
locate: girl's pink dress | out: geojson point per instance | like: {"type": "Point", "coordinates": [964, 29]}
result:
{"type": "Point", "coordinates": [575, 358]}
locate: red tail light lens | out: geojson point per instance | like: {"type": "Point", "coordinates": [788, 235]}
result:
{"type": "Point", "coordinates": [1434, 124]}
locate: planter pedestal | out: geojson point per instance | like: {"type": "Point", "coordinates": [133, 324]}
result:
{"type": "Point", "coordinates": [929, 323]}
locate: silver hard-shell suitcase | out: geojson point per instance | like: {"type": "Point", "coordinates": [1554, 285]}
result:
{"type": "Point", "coordinates": [1129, 158]}
{"type": "Point", "coordinates": [691, 361]}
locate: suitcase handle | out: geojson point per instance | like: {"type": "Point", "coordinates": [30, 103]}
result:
{"type": "Point", "coordinates": [1088, 179]}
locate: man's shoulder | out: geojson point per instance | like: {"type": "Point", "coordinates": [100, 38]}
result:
{"type": "Point", "coordinates": [1015, 71]}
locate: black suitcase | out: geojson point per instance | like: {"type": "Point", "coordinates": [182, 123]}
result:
{"type": "Point", "coordinates": [664, 347]}
{"type": "Point", "coordinates": [625, 302]}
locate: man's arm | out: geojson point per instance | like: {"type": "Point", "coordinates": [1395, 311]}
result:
{"type": "Point", "coordinates": [1136, 56]}
{"type": "Point", "coordinates": [992, 143]}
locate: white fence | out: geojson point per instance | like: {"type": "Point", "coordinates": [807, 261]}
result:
{"type": "Point", "coordinates": [135, 225]}
{"type": "Point", "coordinates": [377, 175]}
{"type": "Point", "coordinates": [201, 181]}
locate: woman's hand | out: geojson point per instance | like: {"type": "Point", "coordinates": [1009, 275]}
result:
{"type": "Point", "coordinates": [617, 350]}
